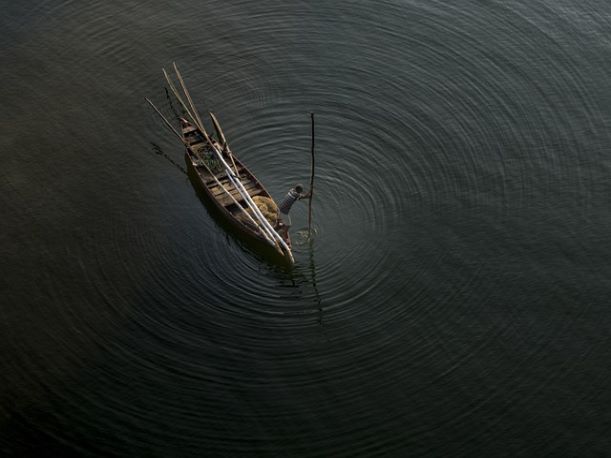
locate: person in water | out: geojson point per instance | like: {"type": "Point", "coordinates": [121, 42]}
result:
{"type": "Point", "coordinates": [291, 197]}
{"type": "Point", "coordinates": [285, 205]}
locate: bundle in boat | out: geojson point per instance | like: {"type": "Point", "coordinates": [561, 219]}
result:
{"type": "Point", "coordinates": [268, 207]}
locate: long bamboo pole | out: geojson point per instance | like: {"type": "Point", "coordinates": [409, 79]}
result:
{"type": "Point", "coordinates": [184, 90]}
{"type": "Point", "coordinates": [217, 127]}
{"type": "Point", "coordinates": [165, 120]}
{"type": "Point", "coordinates": [178, 97]}
{"type": "Point", "coordinates": [312, 163]}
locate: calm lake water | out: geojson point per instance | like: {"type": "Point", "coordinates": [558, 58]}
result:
{"type": "Point", "coordinates": [455, 300]}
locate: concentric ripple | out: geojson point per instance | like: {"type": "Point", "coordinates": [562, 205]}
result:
{"type": "Point", "coordinates": [453, 300]}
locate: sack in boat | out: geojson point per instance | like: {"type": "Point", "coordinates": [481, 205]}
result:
{"type": "Point", "coordinates": [268, 207]}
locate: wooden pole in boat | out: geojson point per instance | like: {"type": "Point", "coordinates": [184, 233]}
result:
{"type": "Point", "coordinates": [311, 181]}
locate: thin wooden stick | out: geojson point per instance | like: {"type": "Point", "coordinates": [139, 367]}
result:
{"type": "Point", "coordinates": [165, 120]}
{"type": "Point", "coordinates": [177, 95]}
{"type": "Point", "coordinates": [217, 127]}
{"type": "Point", "coordinates": [311, 182]}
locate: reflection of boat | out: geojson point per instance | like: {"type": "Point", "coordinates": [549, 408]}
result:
{"type": "Point", "coordinates": [230, 186]}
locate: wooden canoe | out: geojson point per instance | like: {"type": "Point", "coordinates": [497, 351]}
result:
{"type": "Point", "coordinates": [228, 201]}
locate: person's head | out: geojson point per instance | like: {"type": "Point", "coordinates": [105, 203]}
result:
{"type": "Point", "coordinates": [299, 188]}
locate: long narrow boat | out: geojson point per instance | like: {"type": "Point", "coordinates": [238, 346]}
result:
{"type": "Point", "coordinates": [222, 193]}
{"type": "Point", "coordinates": [227, 183]}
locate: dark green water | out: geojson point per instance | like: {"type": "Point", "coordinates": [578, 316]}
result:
{"type": "Point", "coordinates": [455, 300]}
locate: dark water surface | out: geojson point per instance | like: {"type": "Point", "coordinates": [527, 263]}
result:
{"type": "Point", "coordinates": [455, 300]}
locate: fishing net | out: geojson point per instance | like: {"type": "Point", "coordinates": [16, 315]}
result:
{"type": "Point", "coordinates": [268, 207]}
{"type": "Point", "coordinates": [212, 163]}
